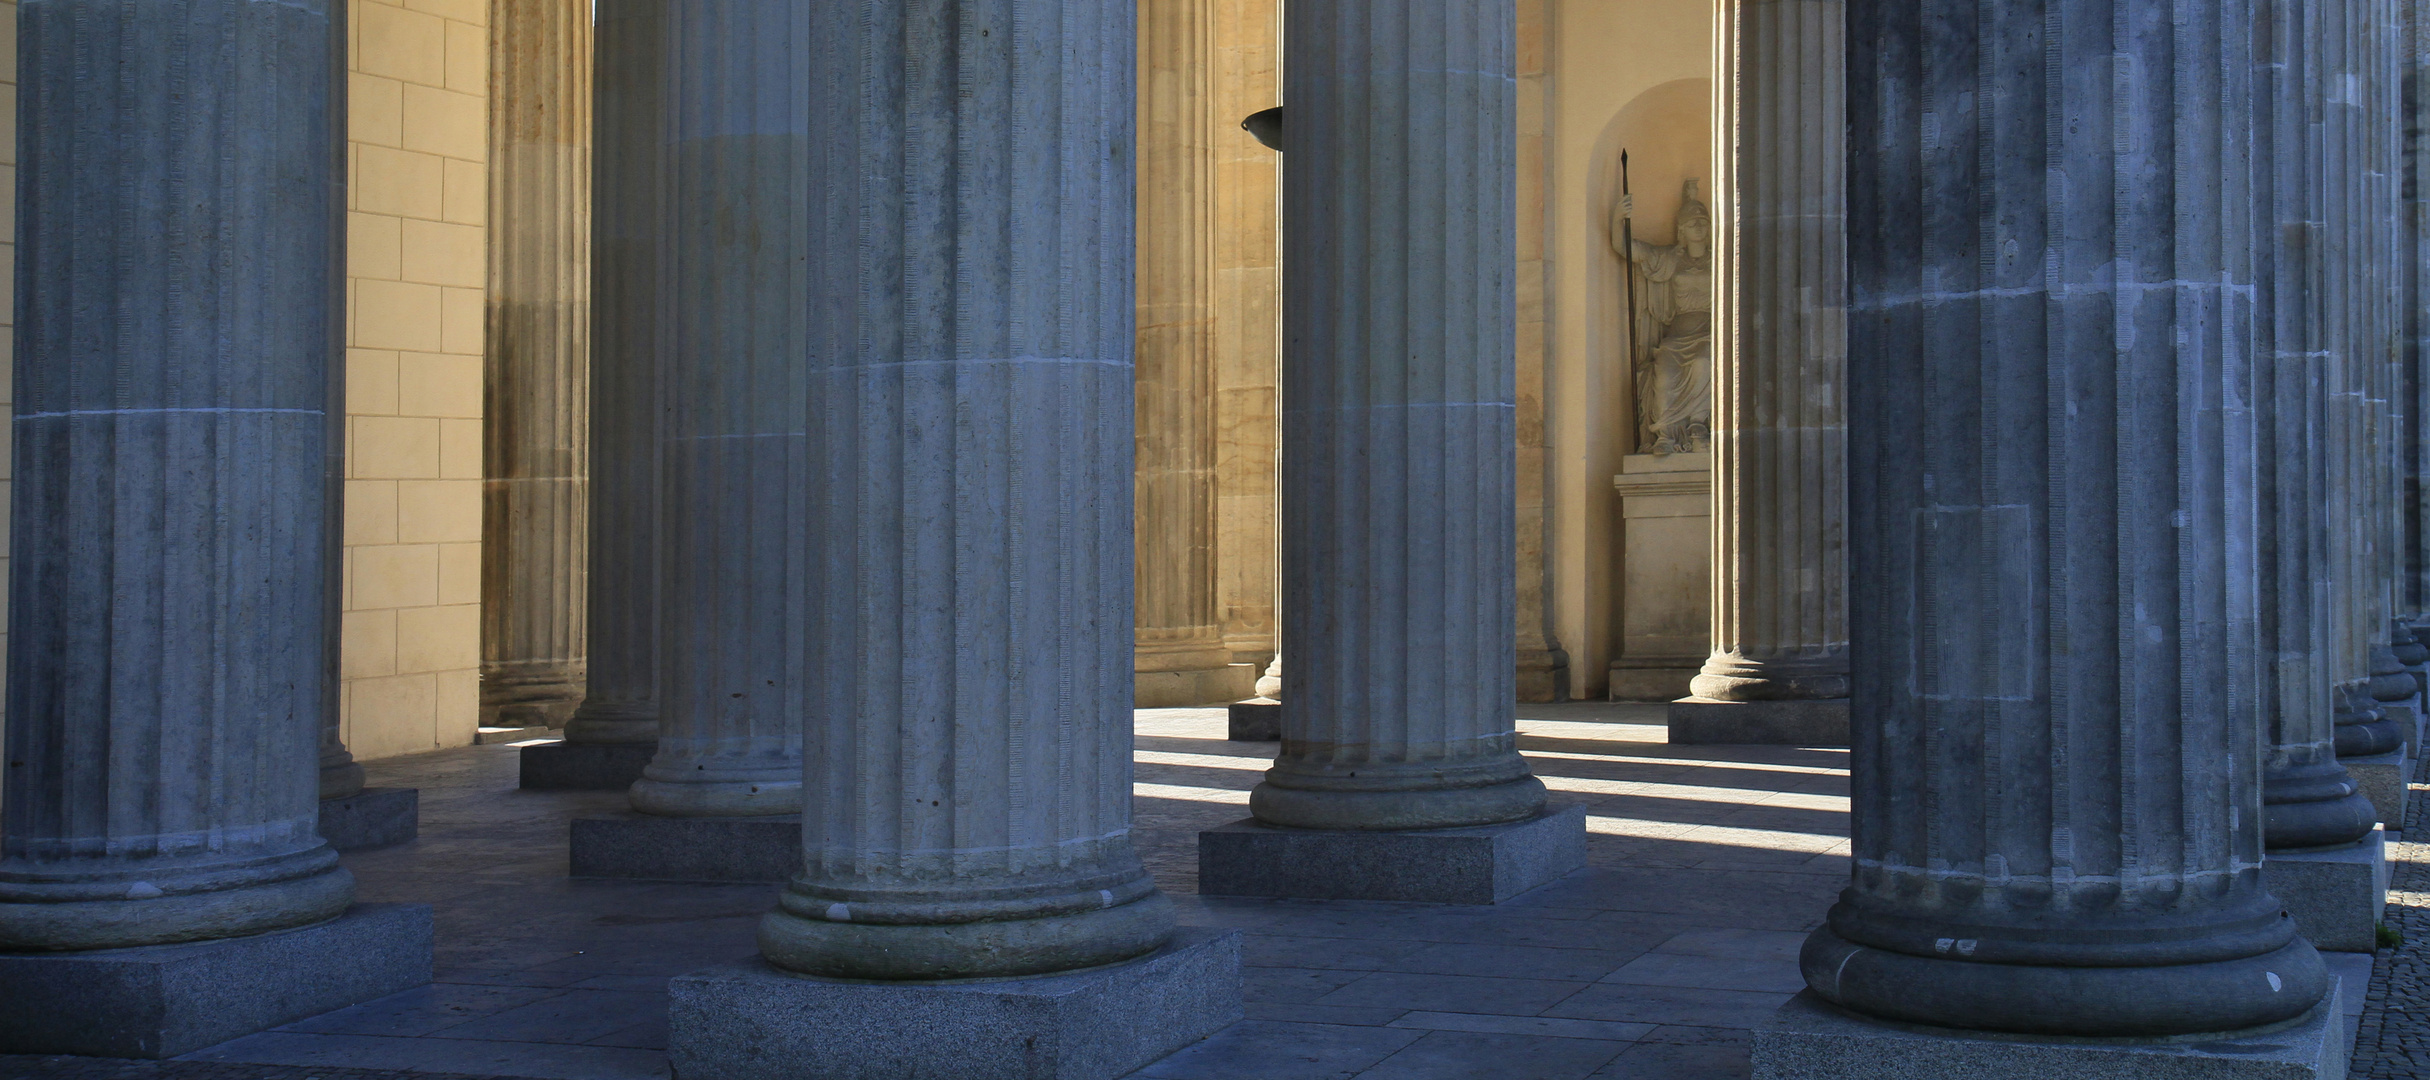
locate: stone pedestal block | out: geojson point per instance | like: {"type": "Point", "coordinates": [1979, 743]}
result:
{"type": "Point", "coordinates": [1256, 720]}
{"type": "Point", "coordinates": [686, 849]}
{"type": "Point", "coordinates": [2409, 721]}
{"type": "Point", "coordinates": [750, 1021]}
{"type": "Point", "coordinates": [2382, 778]}
{"type": "Point", "coordinates": [1699, 721]}
{"type": "Point", "coordinates": [1483, 864]}
{"type": "Point", "coordinates": [2337, 895]}
{"type": "Point", "coordinates": [1810, 1039]}
{"type": "Point", "coordinates": [566, 766]}
{"type": "Point", "coordinates": [495, 736]}
{"type": "Point", "coordinates": [372, 817]}
{"type": "Point", "coordinates": [159, 1001]}
{"type": "Point", "coordinates": [1181, 689]}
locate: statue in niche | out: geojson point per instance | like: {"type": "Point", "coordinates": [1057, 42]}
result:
{"type": "Point", "coordinates": [1671, 327]}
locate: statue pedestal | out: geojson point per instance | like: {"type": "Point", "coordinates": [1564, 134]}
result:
{"type": "Point", "coordinates": [1664, 583]}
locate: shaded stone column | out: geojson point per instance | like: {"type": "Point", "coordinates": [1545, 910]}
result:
{"type": "Point", "coordinates": [1398, 404]}
{"type": "Point", "coordinates": [1780, 581]}
{"type": "Point", "coordinates": [1181, 658]}
{"type": "Point", "coordinates": [965, 581]}
{"type": "Point", "coordinates": [2308, 800]}
{"type": "Point", "coordinates": [536, 427]}
{"type": "Point", "coordinates": [613, 734]}
{"type": "Point", "coordinates": [733, 454]}
{"type": "Point", "coordinates": [2054, 814]}
{"type": "Point", "coordinates": [176, 404]}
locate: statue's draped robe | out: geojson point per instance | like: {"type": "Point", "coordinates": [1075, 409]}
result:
{"type": "Point", "coordinates": [1672, 343]}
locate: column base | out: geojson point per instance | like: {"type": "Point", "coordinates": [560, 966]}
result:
{"type": "Point", "coordinates": [372, 817]}
{"type": "Point", "coordinates": [1811, 1039]}
{"type": "Point", "coordinates": [755, 849]}
{"type": "Point", "coordinates": [493, 736]}
{"type": "Point", "coordinates": [750, 1021]}
{"type": "Point", "coordinates": [1543, 676]}
{"type": "Point", "coordinates": [1483, 864]}
{"type": "Point", "coordinates": [1699, 721]}
{"type": "Point", "coordinates": [1203, 686]}
{"type": "Point", "coordinates": [159, 1001]}
{"type": "Point", "coordinates": [2382, 778]}
{"type": "Point", "coordinates": [1651, 680]}
{"type": "Point", "coordinates": [2336, 896]}
{"type": "Point", "coordinates": [1258, 719]}
{"type": "Point", "coordinates": [568, 766]}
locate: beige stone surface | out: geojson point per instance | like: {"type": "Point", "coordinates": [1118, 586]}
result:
{"type": "Point", "coordinates": [1622, 72]}
{"type": "Point", "coordinates": [416, 267]}
{"type": "Point", "coordinates": [1248, 326]}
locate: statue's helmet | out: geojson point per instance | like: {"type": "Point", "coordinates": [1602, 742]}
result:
{"type": "Point", "coordinates": [1691, 209]}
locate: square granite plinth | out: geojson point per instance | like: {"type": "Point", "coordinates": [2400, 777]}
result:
{"type": "Point", "coordinates": [2382, 778]}
{"type": "Point", "coordinates": [565, 766]}
{"type": "Point", "coordinates": [1699, 721]}
{"type": "Point", "coordinates": [1483, 865]}
{"type": "Point", "coordinates": [2336, 896]}
{"type": "Point", "coordinates": [163, 1000]}
{"type": "Point", "coordinates": [1810, 1039]}
{"type": "Point", "coordinates": [642, 846]}
{"type": "Point", "coordinates": [372, 817]}
{"type": "Point", "coordinates": [1255, 720]}
{"type": "Point", "coordinates": [749, 1021]}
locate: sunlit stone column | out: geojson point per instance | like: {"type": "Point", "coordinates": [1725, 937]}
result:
{"type": "Point", "coordinates": [2308, 800]}
{"type": "Point", "coordinates": [942, 567]}
{"type": "Point", "coordinates": [620, 702]}
{"type": "Point", "coordinates": [176, 405]}
{"type": "Point", "coordinates": [1398, 405]}
{"type": "Point", "coordinates": [2055, 804]}
{"type": "Point", "coordinates": [1780, 581]}
{"type": "Point", "coordinates": [1181, 658]}
{"type": "Point", "coordinates": [535, 427]}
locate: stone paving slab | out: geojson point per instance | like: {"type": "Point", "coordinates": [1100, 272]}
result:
{"type": "Point", "coordinates": [1706, 866]}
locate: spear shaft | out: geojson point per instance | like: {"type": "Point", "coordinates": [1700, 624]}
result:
{"type": "Point", "coordinates": [1628, 262]}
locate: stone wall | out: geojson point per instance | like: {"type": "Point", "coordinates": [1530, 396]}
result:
{"type": "Point", "coordinates": [1248, 327]}
{"type": "Point", "coordinates": [417, 270]}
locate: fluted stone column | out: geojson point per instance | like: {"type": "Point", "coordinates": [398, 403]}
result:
{"type": "Point", "coordinates": [2055, 809]}
{"type": "Point", "coordinates": [902, 421]}
{"type": "Point", "coordinates": [1780, 582]}
{"type": "Point", "coordinates": [2308, 800]}
{"type": "Point", "coordinates": [2413, 279]}
{"type": "Point", "coordinates": [1181, 658]}
{"type": "Point", "coordinates": [620, 700]}
{"type": "Point", "coordinates": [535, 422]}
{"type": "Point", "coordinates": [177, 400]}
{"type": "Point", "coordinates": [735, 505]}
{"type": "Point", "coordinates": [1398, 404]}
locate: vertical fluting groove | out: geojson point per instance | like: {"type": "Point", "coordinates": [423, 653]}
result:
{"type": "Point", "coordinates": [1178, 627]}
{"type": "Point", "coordinates": [174, 501]}
{"type": "Point", "coordinates": [965, 253]}
{"type": "Point", "coordinates": [1398, 406]}
{"type": "Point", "coordinates": [2051, 470]}
{"type": "Point", "coordinates": [1779, 459]}
{"type": "Point", "coordinates": [621, 535]}
{"type": "Point", "coordinates": [535, 408]}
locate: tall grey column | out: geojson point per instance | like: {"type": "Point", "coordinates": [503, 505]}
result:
{"type": "Point", "coordinates": [620, 700]}
{"type": "Point", "coordinates": [1399, 505]}
{"type": "Point", "coordinates": [735, 500]}
{"type": "Point", "coordinates": [2308, 800]}
{"type": "Point", "coordinates": [535, 427]}
{"type": "Point", "coordinates": [2413, 279]}
{"type": "Point", "coordinates": [1780, 580]}
{"type": "Point", "coordinates": [943, 301]}
{"type": "Point", "coordinates": [2055, 807]}
{"type": "Point", "coordinates": [176, 405]}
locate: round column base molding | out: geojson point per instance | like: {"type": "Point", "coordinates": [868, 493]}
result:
{"type": "Point", "coordinates": [993, 949]}
{"type": "Point", "coordinates": [2369, 738]}
{"type": "Point", "coordinates": [149, 913]}
{"type": "Point", "coordinates": [1783, 687]}
{"type": "Point", "coordinates": [1296, 807]}
{"type": "Point", "coordinates": [715, 797]}
{"type": "Point", "coordinates": [2296, 826]}
{"type": "Point", "coordinates": [342, 779]}
{"type": "Point", "coordinates": [2216, 996]}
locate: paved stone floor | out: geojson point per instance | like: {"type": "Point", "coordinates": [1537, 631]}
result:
{"type": "Point", "coordinates": [1706, 867]}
